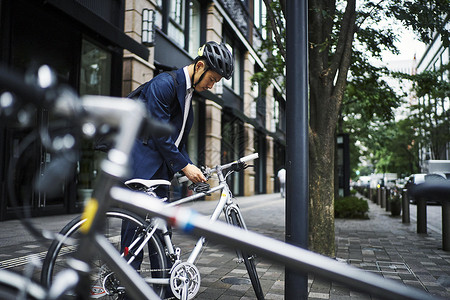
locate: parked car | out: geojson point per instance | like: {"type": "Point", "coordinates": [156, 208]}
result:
{"type": "Point", "coordinates": [413, 180]}
{"type": "Point", "coordinates": [416, 179]}
{"type": "Point", "coordinates": [400, 183]}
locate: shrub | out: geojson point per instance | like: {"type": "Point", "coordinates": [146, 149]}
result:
{"type": "Point", "coordinates": [351, 207]}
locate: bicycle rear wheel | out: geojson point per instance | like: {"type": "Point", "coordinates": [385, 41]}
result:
{"type": "Point", "coordinates": [249, 260]}
{"type": "Point", "coordinates": [104, 283]}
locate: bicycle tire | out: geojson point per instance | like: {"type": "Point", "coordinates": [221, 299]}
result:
{"type": "Point", "coordinates": [249, 260]}
{"type": "Point", "coordinates": [15, 286]}
{"type": "Point", "coordinates": [153, 265]}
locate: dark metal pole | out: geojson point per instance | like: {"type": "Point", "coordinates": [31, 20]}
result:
{"type": "Point", "coordinates": [445, 225]}
{"type": "Point", "coordinates": [296, 283]}
{"type": "Point", "coordinates": [405, 207]}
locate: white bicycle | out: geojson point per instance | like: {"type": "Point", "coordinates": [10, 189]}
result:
{"type": "Point", "coordinates": [162, 266]}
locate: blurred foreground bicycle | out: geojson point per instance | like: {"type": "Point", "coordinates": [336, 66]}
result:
{"type": "Point", "coordinates": [90, 112]}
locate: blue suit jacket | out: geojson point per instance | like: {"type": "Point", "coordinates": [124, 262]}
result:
{"type": "Point", "coordinates": [165, 102]}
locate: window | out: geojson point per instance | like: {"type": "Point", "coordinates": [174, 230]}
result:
{"type": "Point", "coordinates": [95, 79]}
{"type": "Point", "coordinates": [181, 21]}
{"type": "Point", "coordinates": [255, 95]}
{"type": "Point", "coordinates": [276, 114]}
{"type": "Point", "coordinates": [158, 15]}
{"type": "Point", "coordinates": [235, 81]}
{"type": "Point", "coordinates": [259, 16]}
{"type": "Point", "coordinates": [176, 22]}
{"type": "Point", "coordinates": [232, 145]}
{"type": "Point", "coordinates": [95, 72]}
{"type": "Point", "coordinates": [194, 28]}
{"type": "Point", "coordinates": [193, 142]}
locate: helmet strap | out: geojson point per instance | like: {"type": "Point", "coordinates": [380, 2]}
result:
{"type": "Point", "coordinates": [192, 78]}
{"type": "Point", "coordinates": [201, 76]}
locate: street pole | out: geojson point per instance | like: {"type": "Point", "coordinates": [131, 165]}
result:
{"type": "Point", "coordinates": [297, 157]}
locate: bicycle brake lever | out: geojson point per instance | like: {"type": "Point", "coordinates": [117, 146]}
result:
{"type": "Point", "coordinates": [206, 172]}
{"type": "Point", "coordinates": [239, 166]}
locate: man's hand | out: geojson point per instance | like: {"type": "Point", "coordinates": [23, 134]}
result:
{"type": "Point", "coordinates": [193, 173]}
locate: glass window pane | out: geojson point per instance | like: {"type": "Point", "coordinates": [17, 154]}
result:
{"type": "Point", "coordinates": [176, 34]}
{"type": "Point", "coordinates": [257, 13]}
{"type": "Point", "coordinates": [176, 12]}
{"type": "Point", "coordinates": [176, 22]}
{"type": "Point", "coordinates": [158, 14]}
{"type": "Point", "coordinates": [194, 30]}
{"type": "Point", "coordinates": [229, 82]}
{"type": "Point", "coordinates": [95, 72]}
{"type": "Point", "coordinates": [192, 145]}
{"type": "Point", "coordinates": [95, 79]}
{"type": "Point", "coordinates": [237, 72]}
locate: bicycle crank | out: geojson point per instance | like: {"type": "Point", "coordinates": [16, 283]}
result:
{"type": "Point", "coordinates": [185, 281]}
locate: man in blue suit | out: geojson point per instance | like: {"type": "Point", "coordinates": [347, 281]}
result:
{"type": "Point", "coordinates": [168, 99]}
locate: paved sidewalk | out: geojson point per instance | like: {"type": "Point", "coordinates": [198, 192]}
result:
{"type": "Point", "coordinates": [381, 244]}
{"type": "Point", "coordinates": [386, 246]}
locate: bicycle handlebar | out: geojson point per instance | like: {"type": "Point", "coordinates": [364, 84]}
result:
{"type": "Point", "coordinates": [249, 157]}
{"type": "Point", "coordinates": [244, 159]}
{"type": "Point", "coordinates": [12, 81]}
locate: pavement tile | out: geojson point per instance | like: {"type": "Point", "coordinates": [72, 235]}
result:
{"type": "Point", "coordinates": [270, 296]}
{"type": "Point", "coordinates": [315, 295]}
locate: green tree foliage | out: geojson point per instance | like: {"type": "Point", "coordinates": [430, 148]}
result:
{"type": "Point", "coordinates": [432, 89]}
{"type": "Point", "coordinates": [426, 18]}
{"type": "Point", "coordinates": [397, 148]}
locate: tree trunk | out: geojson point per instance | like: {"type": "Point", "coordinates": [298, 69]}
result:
{"type": "Point", "coordinates": [327, 81]}
{"type": "Point", "coordinates": [321, 194]}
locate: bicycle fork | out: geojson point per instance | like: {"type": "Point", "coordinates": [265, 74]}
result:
{"type": "Point", "coordinates": [239, 222]}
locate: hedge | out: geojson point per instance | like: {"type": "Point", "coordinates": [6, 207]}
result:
{"type": "Point", "coordinates": [351, 207]}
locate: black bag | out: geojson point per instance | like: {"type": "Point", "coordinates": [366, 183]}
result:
{"type": "Point", "coordinates": [104, 140]}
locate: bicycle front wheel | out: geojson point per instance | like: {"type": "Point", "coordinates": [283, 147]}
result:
{"type": "Point", "coordinates": [249, 260]}
{"type": "Point", "coordinates": [104, 284]}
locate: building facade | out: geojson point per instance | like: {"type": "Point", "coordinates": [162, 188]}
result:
{"type": "Point", "coordinates": [110, 47]}
{"type": "Point", "coordinates": [435, 57]}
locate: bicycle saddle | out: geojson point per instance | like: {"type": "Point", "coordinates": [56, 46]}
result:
{"type": "Point", "coordinates": [136, 183]}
